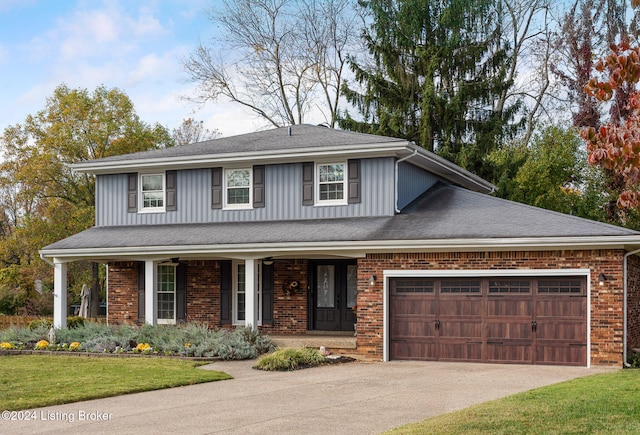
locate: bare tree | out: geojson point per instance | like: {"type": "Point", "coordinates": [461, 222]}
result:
{"type": "Point", "coordinates": [192, 131]}
{"type": "Point", "coordinates": [279, 58]}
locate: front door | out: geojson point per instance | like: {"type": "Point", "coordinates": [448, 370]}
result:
{"type": "Point", "coordinates": [333, 296]}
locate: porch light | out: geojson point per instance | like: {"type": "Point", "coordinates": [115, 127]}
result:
{"type": "Point", "coordinates": [372, 280]}
{"type": "Point", "coordinates": [602, 278]}
{"type": "Point", "coordinates": [267, 261]}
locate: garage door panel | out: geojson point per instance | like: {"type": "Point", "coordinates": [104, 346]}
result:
{"type": "Point", "coordinates": [460, 328]}
{"type": "Point", "coordinates": [456, 306]}
{"type": "Point", "coordinates": [497, 330]}
{"type": "Point", "coordinates": [423, 350]}
{"type": "Point", "coordinates": [561, 353]}
{"type": "Point", "coordinates": [413, 327]}
{"type": "Point", "coordinates": [561, 307]}
{"type": "Point", "coordinates": [460, 350]}
{"type": "Point", "coordinates": [509, 307]}
{"type": "Point", "coordinates": [561, 330]}
{"type": "Point", "coordinates": [413, 305]}
{"type": "Point", "coordinates": [509, 351]}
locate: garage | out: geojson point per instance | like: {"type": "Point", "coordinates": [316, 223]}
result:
{"type": "Point", "coordinates": [537, 320]}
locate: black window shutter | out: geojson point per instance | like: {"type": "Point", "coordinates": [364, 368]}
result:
{"type": "Point", "coordinates": [171, 189]}
{"type": "Point", "coordinates": [141, 280]}
{"type": "Point", "coordinates": [353, 181]}
{"type": "Point", "coordinates": [181, 292]}
{"type": "Point", "coordinates": [267, 294]}
{"type": "Point", "coordinates": [216, 188]}
{"type": "Point", "coordinates": [307, 183]}
{"type": "Point", "coordinates": [258, 186]}
{"type": "Point", "coordinates": [225, 291]}
{"type": "Point", "coordinates": [132, 192]}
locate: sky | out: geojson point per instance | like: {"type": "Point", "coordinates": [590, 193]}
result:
{"type": "Point", "coordinates": [136, 46]}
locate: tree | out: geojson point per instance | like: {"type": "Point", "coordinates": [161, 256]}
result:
{"type": "Point", "coordinates": [192, 131]}
{"type": "Point", "coordinates": [439, 76]}
{"type": "Point", "coordinates": [615, 145]}
{"type": "Point", "coordinates": [279, 58]}
{"type": "Point", "coordinates": [42, 198]}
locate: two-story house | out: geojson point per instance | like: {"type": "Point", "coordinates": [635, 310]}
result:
{"type": "Point", "coordinates": [308, 229]}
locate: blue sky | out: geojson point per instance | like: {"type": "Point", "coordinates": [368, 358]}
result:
{"type": "Point", "coordinates": [135, 46]}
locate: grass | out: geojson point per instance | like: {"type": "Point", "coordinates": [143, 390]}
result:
{"type": "Point", "coordinates": [30, 381]}
{"type": "Point", "coordinates": [599, 404]}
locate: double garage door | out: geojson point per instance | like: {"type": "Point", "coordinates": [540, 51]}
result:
{"type": "Point", "coordinates": [502, 320]}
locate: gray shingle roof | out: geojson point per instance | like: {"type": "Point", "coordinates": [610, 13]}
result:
{"type": "Point", "coordinates": [445, 212]}
{"type": "Point", "coordinates": [277, 139]}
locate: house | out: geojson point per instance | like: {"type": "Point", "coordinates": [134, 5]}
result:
{"type": "Point", "coordinates": [307, 229]}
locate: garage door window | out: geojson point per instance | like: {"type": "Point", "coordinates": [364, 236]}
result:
{"type": "Point", "coordinates": [509, 287]}
{"type": "Point", "coordinates": [566, 286]}
{"type": "Point", "coordinates": [410, 286]}
{"type": "Point", "coordinates": [460, 286]}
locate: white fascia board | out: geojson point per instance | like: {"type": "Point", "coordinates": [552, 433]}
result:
{"type": "Point", "coordinates": [271, 157]}
{"type": "Point", "coordinates": [353, 249]}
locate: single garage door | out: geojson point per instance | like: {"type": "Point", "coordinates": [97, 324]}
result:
{"type": "Point", "coordinates": [503, 320]}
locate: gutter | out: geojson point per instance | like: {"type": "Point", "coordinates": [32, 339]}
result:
{"type": "Point", "coordinates": [624, 307]}
{"type": "Point", "coordinates": [46, 260]}
{"type": "Point", "coordinates": [415, 153]}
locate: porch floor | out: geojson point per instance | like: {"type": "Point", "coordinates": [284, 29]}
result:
{"type": "Point", "coordinates": [330, 340]}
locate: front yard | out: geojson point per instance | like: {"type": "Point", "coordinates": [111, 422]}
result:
{"type": "Point", "coordinates": [599, 404]}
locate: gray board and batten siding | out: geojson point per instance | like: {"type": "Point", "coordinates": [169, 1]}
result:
{"type": "Point", "coordinates": [412, 182]}
{"type": "Point", "coordinates": [283, 195]}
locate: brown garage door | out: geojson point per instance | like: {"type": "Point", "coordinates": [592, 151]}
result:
{"type": "Point", "coordinates": [506, 320]}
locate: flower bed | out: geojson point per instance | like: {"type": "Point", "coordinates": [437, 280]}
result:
{"type": "Point", "coordinates": [188, 340]}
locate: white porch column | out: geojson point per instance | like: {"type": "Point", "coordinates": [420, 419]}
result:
{"type": "Point", "coordinates": [59, 294]}
{"type": "Point", "coordinates": [251, 293]}
{"type": "Point", "coordinates": [150, 293]}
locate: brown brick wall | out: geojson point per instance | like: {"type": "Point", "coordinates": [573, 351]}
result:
{"type": "Point", "coordinates": [122, 295]}
{"type": "Point", "coordinates": [606, 300]}
{"type": "Point", "coordinates": [203, 292]}
{"type": "Point", "coordinates": [633, 303]}
{"type": "Point", "coordinates": [289, 310]}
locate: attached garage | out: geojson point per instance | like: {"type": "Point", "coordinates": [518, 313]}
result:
{"type": "Point", "coordinates": [525, 320]}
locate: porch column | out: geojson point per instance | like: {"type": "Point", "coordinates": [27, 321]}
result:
{"type": "Point", "coordinates": [150, 293]}
{"type": "Point", "coordinates": [59, 294]}
{"type": "Point", "coordinates": [251, 293]}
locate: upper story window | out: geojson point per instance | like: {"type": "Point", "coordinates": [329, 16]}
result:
{"type": "Point", "coordinates": [238, 188]}
{"type": "Point", "coordinates": [153, 192]}
{"type": "Point", "coordinates": [331, 183]}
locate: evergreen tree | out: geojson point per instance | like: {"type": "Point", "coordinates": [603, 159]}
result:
{"type": "Point", "coordinates": [438, 69]}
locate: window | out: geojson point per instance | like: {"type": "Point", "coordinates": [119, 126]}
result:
{"type": "Point", "coordinates": [240, 293]}
{"type": "Point", "coordinates": [331, 183]}
{"type": "Point", "coordinates": [166, 294]}
{"type": "Point", "coordinates": [238, 188]}
{"type": "Point", "coordinates": [152, 186]}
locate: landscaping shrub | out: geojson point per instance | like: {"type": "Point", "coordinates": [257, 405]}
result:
{"type": "Point", "coordinates": [185, 340]}
{"type": "Point", "coordinates": [290, 359]}
{"type": "Point", "coordinates": [634, 360]}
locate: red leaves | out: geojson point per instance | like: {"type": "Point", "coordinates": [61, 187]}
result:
{"type": "Point", "coordinates": [617, 146]}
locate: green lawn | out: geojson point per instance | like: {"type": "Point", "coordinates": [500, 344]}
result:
{"type": "Point", "coordinates": [29, 381]}
{"type": "Point", "coordinates": [599, 404]}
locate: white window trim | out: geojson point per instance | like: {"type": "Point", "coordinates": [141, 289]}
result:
{"type": "Point", "coordinates": [141, 207]}
{"type": "Point", "coordinates": [234, 296]}
{"type": "Point", "coordinates": [175, 276]}
{"type": "Point", "coordinates": [227, 206]}
{"type": "Point", "coordinates": [316, 182]}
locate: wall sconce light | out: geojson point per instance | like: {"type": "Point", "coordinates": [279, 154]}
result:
{"type": "Point", "coordinates": [372, 280]}
{"type": "Point", "coordinates": [602, 278]}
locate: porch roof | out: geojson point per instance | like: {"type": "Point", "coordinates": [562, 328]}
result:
{"type": "Point", "coordinates": [445, 218]}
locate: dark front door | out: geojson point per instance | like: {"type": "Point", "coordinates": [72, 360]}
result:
{"type": "Point", "coordinates": [333, 295]}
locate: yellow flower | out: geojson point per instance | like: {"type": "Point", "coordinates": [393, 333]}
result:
{"type": "Point", "coordinates": [187, 345]}
{"type": "Point", "coordinates": [5, 345]}
{"type": "Point", "coordinates": [74, 346]}
{"type": "Point", "coordinates": [141, 347]}
{"type": "Point", "coordinates": [42, 344]}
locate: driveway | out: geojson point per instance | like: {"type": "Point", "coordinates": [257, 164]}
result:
{"type": "Point", "coordinates": [353, 398]}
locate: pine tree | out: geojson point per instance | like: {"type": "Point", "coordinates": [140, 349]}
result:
{"type": "Point", "coordinates": [438, 69]}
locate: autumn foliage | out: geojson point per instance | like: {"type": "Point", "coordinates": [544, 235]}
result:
{"type": "Point", "coordinates": [616, 144]}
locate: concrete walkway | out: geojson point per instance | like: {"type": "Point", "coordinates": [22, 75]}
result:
{"type": "Point", "coordinates": [353, 398]}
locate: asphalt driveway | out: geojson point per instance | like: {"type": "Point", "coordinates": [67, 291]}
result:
{"type": "Point", "coordinates": [353, 398]}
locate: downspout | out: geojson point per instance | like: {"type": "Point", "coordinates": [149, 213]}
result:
{"type": "Point", "coordinates": [624, 307]}
{"type": "Point", "coordinates": [415, 152]}
{"type": "Point", "coordinates": [46, 260]}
